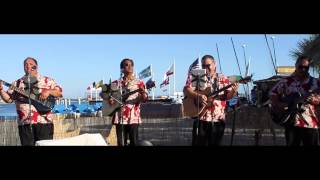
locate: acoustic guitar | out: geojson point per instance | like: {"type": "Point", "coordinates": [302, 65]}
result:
{"type": "Point", "coordinates": [43, 107]}
{"type": "Point", "coordinates": [108, 109]}
{"type": "Point", "coordinates": [190, 104]}
{"type": "Point", "coordinates": [295, 104]}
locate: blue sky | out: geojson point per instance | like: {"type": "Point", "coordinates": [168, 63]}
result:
{"type": "Point", "coordinates": [75, 61]}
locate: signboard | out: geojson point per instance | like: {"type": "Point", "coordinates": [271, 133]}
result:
{"type": "Point", "coordinates": [285, 69]}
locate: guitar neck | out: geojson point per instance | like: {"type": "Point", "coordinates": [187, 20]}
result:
{"type": "Point", "coordinates": [246, 79]}
{"type": "Point", "coordinates": [220, 90]}
{"type": "Point", "coordinates": [16, 89]}
{"type": "Point", "coordinates": [132, 92]}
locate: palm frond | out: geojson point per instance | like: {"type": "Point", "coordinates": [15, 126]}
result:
{"type": "Point", "coordinates": [309, 47]}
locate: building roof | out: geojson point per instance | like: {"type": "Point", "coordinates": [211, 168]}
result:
{"type": "Point", "coordinates": [270, 79]}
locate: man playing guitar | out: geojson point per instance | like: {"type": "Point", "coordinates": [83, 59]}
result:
{"type": "Point", "coordinates": [303, 125]}
{"type": "Point", "coordinates": [127, 120]}
{"type": "Point", "coordinates": [33, 125]}
{"type": "Point", "coordinates": [209, 129]}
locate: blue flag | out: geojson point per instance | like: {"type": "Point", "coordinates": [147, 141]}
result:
{"type": "Point", "coordinates": [145, 73]}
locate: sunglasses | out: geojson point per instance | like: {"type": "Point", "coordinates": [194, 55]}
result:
{"type": "Point", "coordinates": [125, 65]}
{"type": "Point", "coordinates": [303, 67]}
{"type": "Point", "coordinates": [204, 66]}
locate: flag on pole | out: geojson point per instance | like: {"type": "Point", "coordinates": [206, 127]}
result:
{"type": "Point", "coordinates": [170, 70]}
{"type": "Point", "coordinates": [165, 82]}
{"type": "Point", "coordinates": [174, 76]}
{"type": "Point", "coordinates": [195, 65]}
{"type": "Point", "coordinates": [150, 83]}
{"type": "Point", "coordinates": [145, 73]}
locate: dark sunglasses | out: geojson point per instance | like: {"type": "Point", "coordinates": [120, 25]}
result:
{"type": "Point", "coordinates": [126, 64]}
{"type": "Point", "coordinates": [303, 67]}
{"type": "Point", "coordinates": [206, 66]}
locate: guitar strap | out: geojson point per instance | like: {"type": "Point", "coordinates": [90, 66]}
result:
{"type": "Point", "coordinates": [18, 83]}
{"type": "Point", "coordinates": [15, 95]}
{"type": "Point", "coordinates": [216, 85]}
{"type": "Point", "coordinates": [310, 81]}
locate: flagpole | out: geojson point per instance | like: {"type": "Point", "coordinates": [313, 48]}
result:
{"type": "Point", "coordinates": [96, 93]}
{"type": "Point", "coordinates": [91, 93]}
{"type": "Point", "coordinates": [151, 80]}
{"type": "Point", "coordinates": [174, 76]}
{"type": "Point", "coordinates": [274, 50]}
{"type": "Point", "coordinates": [249, 83]}
{"type": "Point", "coordinates": [245, 64]}
{"type": "Point", "coordinates": [152, 90]}
{"type": "Point", "coordinates": [199, 62]}
{"type": "Point", "coordinates": [169, 86]}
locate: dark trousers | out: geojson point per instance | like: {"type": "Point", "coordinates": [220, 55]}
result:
{"type": "Point", "coordinates": [297, 135]}
{"type": "Point", "coordinates": [209, 133]}
{"type": "Point", "coordinates": [130, 130]}
{"type": "Point", "coordinates": [39, 132]}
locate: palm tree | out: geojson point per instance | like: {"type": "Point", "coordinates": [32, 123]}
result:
{"type": "Point", "coordinates": [309, 47]}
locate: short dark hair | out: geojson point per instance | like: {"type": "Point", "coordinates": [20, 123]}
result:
{"type": "Point", "coordinates": [124, 60]}
{"type": "Point", "coordinates": [207, 57]}
{"type": "Point", "coordinates": [303, 57]}
{"type": "Point", "coordinates": [33, 59]}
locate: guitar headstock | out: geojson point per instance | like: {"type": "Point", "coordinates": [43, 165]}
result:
{"type": "Point", "coordinates": [245, 80]}
{"type": "Point", "coordinates": [4, 83]}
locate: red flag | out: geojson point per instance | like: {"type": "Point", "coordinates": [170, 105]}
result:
{"type": "Point", "coordinates": [165, 82]}
{"type": "Point", "coordinates": [170, 71]}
